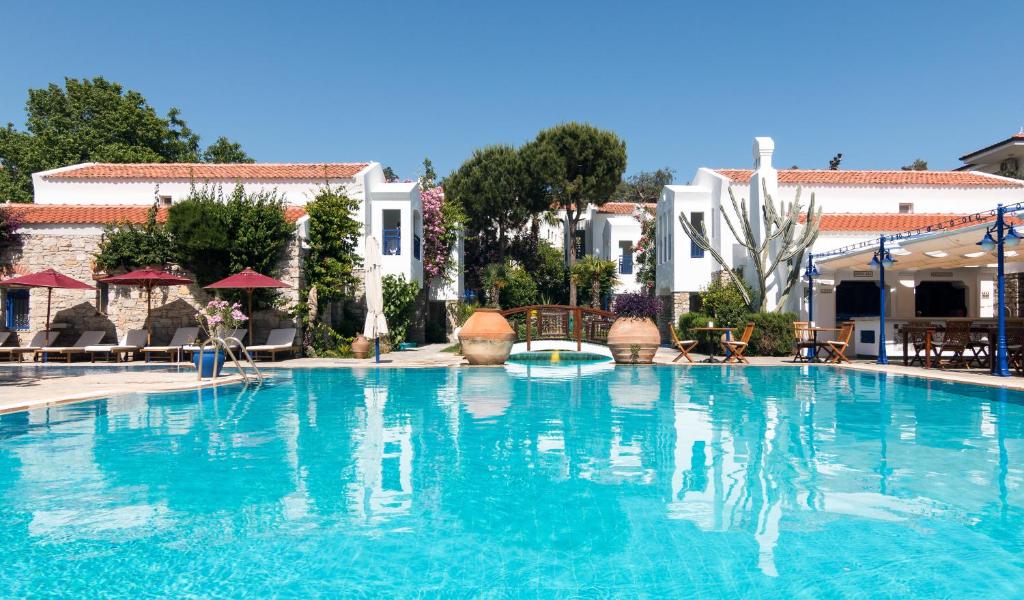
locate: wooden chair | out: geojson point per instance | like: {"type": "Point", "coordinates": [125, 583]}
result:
{"type": "Point", "coordinates": [736, 348]}
{"type": "Point", "coordinates": [915, 335]}
{"type": "Point", "coordinates": [955, 340]}
{"type": "Point", "coordinates": [803, 340]}
{"type": "Point", "coordinates": [837, 348]}
{"type": "Point", "coordinates": [684, 346]}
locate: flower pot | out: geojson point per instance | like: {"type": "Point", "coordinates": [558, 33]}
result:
{"type": "Point", "coordinates": [362, 347]}
{"type": "Point", "coordinates": [487, 338]}
{"type": "Point", "coordinates": [633, 341]}
{"type": "Point", "coordinates": [211, 363]}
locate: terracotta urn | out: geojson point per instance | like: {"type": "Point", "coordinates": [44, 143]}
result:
{"type": "Point", "coordinates": [487, 337]}
{"type": "Point", "coordinates": [361, 347]}
{"type": "Point", "coordinates": [633, 341]}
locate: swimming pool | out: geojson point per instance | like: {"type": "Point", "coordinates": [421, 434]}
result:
{"type": "Point", "coordinates": [535, 481]}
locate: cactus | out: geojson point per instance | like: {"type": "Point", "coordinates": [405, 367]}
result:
{"type": "Point", "coordinates": [784, 243]}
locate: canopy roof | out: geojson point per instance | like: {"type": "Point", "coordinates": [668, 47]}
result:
{"type": "Point", "coordinates": [247, 280]}
{"type": "Point", "coordinates": [147, 277]}
{"type": "Point", "coordinates": [952, 249]}
{"type": "Point", "coordinates": [47, 279]}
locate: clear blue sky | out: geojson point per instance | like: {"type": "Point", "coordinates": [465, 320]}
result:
{"type": "Point", "coordinates": [684, 84]}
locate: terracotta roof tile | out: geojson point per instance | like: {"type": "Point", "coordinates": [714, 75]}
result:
{"type": "Point", "coordinates": [885, 222]}
{"type": "Point", "coordinates": [622, 208]}
{"type": "Point", "coordinates": [859, 178]}
{"type": "Point", "coordinates": [102, 214]}
{"type": "Point", "coordinates": [203, 171]}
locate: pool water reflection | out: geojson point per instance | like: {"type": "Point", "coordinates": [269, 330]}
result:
{"type": "Point", "coordinates": [587, 479]}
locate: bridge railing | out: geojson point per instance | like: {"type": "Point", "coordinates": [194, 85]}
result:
{"type": "Point", "coordinates": [560, 322]}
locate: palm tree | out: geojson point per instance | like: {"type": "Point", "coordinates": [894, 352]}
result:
{"type": "Point", "coordinates": [494, 279]}
{"type": "Point", "coordinates": [598, 274]}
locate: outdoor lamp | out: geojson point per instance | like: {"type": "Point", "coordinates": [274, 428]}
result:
{"type": "Point", "coordinates": [887, 260]}
{"type": "Point", "coordinates": [814, 271]}
{"type": "Point", "coordinates": [987, 243]}
{"type": "Point", "coordinates": [874, 264]}
{"type": "Point", "coordinates": [1012, 238]}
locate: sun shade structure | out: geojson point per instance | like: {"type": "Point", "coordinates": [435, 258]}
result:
{"type": "Point", "coordinates": [147, 278]}
{"type": "Point", "coordinates": [376, 325]}
{"type": "Point", "coordinates": [247, 280]}
{"type": "Point", "coordinates": [50, 280]}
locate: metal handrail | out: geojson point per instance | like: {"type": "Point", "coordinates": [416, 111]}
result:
{"type": "Point", "coordinates": [223, 343]}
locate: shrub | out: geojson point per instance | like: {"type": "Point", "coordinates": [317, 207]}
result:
{"type": "Point", "coordinates": [333, 236]}
{"type": "Point", "coordinates": [321, 341]}
{"type": "Point", "coordinates": [773, 333]}
{"type": "Point", "coordinates": [637, 306]}
{"type": "Point", "coordinates": [519, 289]}
{"type": "Point", "coordinates": [399, 301]}
{"type": "Point", "coordinates": [10, 221]}
{"type": "Point", "coordinates": [723, 301]}
{"type": "Point", "coordinates": [595, 278]}
{"type": "Point", "coordinates": [688, 321]}
{"type": "Point", "coordinates": [127, 245]}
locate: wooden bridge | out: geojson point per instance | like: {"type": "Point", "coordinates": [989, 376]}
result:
{"type": "Point", "coordinates": [544, 322]}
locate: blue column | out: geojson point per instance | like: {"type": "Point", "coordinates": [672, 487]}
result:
{"type": "Point", "coordinates": [1002, 362]}
{"type": "Point", "coordinates": [810, 287]}
{"type": "Point", "coordinates": [883, 358]}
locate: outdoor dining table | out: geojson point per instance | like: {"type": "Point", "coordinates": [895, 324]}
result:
{"type": "Point", "coordinates": [728, 335]}
{"type": "Point", "coordinates": [813, 356]}
{"type": "Point", "coordinates": [929, 342]}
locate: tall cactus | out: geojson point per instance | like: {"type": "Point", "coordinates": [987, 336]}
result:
{"type": "Point", "coordinates": [784, 243]}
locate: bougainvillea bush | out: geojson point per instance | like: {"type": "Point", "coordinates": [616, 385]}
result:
{"type": "Point", "coordinates": [637, 306]}
{"type": "Point", "coordinates": [440, 232]}
{"type": "Point", "coordinates": [646, 257]}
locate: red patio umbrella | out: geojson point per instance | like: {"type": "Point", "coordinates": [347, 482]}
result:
{"type": "Point", "coordinates": [147, 278]}
{"type": "Point", "coordinates": [247, 280]}
{"type": "Point", "coordinates": [48, 279]}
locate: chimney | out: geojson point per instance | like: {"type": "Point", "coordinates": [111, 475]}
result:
{"type": "Point", "coordinates": [764, 147]}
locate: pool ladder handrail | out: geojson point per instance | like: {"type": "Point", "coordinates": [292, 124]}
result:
{"type": "Point", "coordinates": [223, 343]}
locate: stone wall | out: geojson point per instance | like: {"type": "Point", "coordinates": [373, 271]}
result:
{"type": "Point", "coordinates": [672, 306]}
{"type": "Point", "coordinates": [74, 311]}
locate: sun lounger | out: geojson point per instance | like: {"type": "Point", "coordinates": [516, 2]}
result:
{"type": "Point", "coordinates": [89, 338]}
{"type": "Point", "coordinates": [237, 334]}
{"type": "Point", "coordinates": [278, 341]}
{"type": "Point", "coordinates": [132, 342]}
{"type": "Point", "coordinates": [3, 337]}
{"type": "Point", "coordinates": [184, 336]}
{"type": "Point", "coordinates": [39, 340]}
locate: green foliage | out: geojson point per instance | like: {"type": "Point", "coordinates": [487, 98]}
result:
{"type": "Point", "coordinates": [215, 236]}
{"type": "Point", "coordinates": [429, 178]}
{"type": "Point", "coordinates": [399, 301]}
{"type": "Point", "coordinates": [333, 235]}
{"type": "Point", "coordinates": [225, 151]}
{"type": "Point", "coordinates": [596, 276]}
{"type": "Point", "coordinates": [494, 280]}
{"type": "Point", "coordinates": [460, 312]}
{"type": "Point", "coordinates": [644, 187]}
{"type": "Point", "coordinates": [547, 265]}
{"type": "Point", "coordinates": [646, 251]}
{"type": "Point", "coordinates": [917, 165]}
{"type": "Point", "coordinates": [128, 246]}
{"type": "Point", "coordinates": [88, 120]}
{"type": "Point", "coordinates": [321, 341]}
{"type": "Point", "coordinates": [724, 302]}
{"type": "Point", "coordinates": [773, 333]}
{"type": "Point", "coordinates": [520, 289]}
{"type": "Point", "coordinates": [389, 175]}
{"type": "Point", "coordinates": [10, 221]}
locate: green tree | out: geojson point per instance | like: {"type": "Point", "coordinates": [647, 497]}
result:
{"type": "Point", "coordinates": [723, 301]}
{"type": "Point", "coordinates": [429, 178]}
{"type": "Point", "coordinates": [333, 236]}
{"type": "Point", "coordinates": [576, 165]}
{"type": "Point", "coordinates": [494, 279]}
{"type": "Point", "coordinates": [496, 194]}
{"type": "Point", "coordinates": [88, 120]}
{"type": "Point", "coordinates": [225, 151]}
{"type": "Point", "coordinates": [596, 275]}
{"type": "Point", "coordinates": [645, 186]}
{"type": "Point", "coordinates": [520, 289]}
{"type": "Point", "coordinates": [260, 232]}
{"type": "Point", "coordinates": [399, 301]}
{"type": "Point", "coordinates": [389, 175]}
{"type": "Point", "coordinates": [129, 246]}
{"type": "Point", "coordinates": [917, 165]}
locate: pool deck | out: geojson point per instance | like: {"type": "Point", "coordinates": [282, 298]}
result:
{"type": "Point", "coordinates": [54, 389]}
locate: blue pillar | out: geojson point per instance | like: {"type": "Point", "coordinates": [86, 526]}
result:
{"type": "Point", "coordinates": [1002, 363]}
{"type": "Point", "coordinates": [883, 357]}
{"type": "Point", "coordinates": [810, 287]}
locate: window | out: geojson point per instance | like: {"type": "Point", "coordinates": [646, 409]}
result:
{"type": "Point", "coordinates": [102, 297]}
{"type": "Point", "coordinates": [697, 221]}
{"type": "Point", "coordinates": [906, 208]}
{"type": "Point", "coordinates": [17, 310]}
{"type": "Point", "coordinates": [164, 200]}
{"type": "Point", "coordinates": [626, 258]}
{"type": "Point", "coordinates": [391, 240]}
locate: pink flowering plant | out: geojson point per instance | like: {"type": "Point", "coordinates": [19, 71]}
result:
{"type": "Point", "coordinates": [646, 254]}
{"type": "Point", "coordinates": [220, 316]}
{"type": "Point", "coordinates": [440, 232]}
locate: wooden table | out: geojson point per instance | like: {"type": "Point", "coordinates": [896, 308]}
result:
{"type": "Point", "coordinates": [714, 346]}
{"type": "Point", "coordinates": [814, 335]}
{"type": "Point", "coordinates": [930, 347]}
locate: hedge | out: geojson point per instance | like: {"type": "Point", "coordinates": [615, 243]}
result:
{"type": "Point", "coordinates": [772, 336]}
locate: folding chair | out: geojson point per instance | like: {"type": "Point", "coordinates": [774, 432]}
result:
{"type": "Point", "coordinates": [837, 348]}
{"type": "Point", "coordinates": [684, 346]}
{"type": "Point", "coordinates": [956, 340]}
{"type": "Point", "coordinates": [736, 348]}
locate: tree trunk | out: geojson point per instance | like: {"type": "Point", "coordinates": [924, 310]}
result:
{"type": "Point", "coordinates": [595, 292]}
{"type": "Point", "coordinates": [570, 226]}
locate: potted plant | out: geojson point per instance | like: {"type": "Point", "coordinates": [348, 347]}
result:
{"type": "Point", "coordinates": [215, 319]}
{"type": "Point", "coordinates": [634, 337]}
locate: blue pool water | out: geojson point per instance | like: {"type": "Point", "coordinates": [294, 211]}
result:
{"type": "Point", "coordinates": [574, 481]}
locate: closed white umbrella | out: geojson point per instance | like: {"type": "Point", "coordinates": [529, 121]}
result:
{"type": "Point", "coordinates": [376, 325]}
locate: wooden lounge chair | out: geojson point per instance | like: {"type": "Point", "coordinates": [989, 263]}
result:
{"type": "Point", "coordinates": [803, 341]}
{"type": "Point", "coordinates": [39, 340]}
{"type": "Point", "coordinates": [837, 348]}
{"type": "Point", "coordinates": [183, 336]}
{"type": "Point", "coordinates": [132, 343]}
{"type": "Point", "coordinates": [736, 348]}
{"type": "Point", "coordinates": [278, 341]}
{"type": "Point", "coordinates": [88, 338]}
{"type": "Point", "coordinates": [684, 346]}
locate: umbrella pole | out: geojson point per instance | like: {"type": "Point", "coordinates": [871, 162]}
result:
{"type": "Point", "coordinates": [149, 320]}
{"type": "Point", "coordinates": [376, 347]}
{"type": "Point", "coordinates": [49, 296]}
{"type": "Point", "coordinates": [250, 316]}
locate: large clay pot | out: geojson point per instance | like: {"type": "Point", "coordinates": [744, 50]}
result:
{"type": "Point", "coordinates": [633, 341]}
{"type": "Point", "coordinates": [361, 347]}
{"type": "Point", "coordinates": [487, 338]}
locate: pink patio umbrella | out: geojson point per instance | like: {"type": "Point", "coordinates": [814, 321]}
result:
{"type": "Point", "coordinates": [247, 280]}
{"type": "Point", "coordinates": [147, 278]}
{"type": "Point", "coordinates": [50, 280]}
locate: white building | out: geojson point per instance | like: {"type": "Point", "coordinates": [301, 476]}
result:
{"type": "Point", "coordinates": [857, 206]}
{"type": "Point", "coordinates": [1004, 157]}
